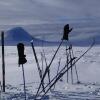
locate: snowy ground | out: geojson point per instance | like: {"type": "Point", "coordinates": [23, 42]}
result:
{"type": "Point", "coordinates": [88, 71]}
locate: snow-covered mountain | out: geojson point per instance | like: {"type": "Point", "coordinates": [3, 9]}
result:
{"type": "Point", "coordinates": [18, 34]}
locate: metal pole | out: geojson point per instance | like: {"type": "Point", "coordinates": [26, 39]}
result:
{"type": "Point", "coordinates": [3, 61]}
{"type": "Point", "coordinates": [62, 72]}
{"type": "Point", "coordinates": [24, 81]}
{"type": "Point", "coordinates": [71, 64]}
{"type": "Point", "coordinates": [38, 66]}
{"type": "Point", "coordinates": [67, 60]}
{"type": "Point", "coordinates": [58, 69]}
{"type": "Point", "coordinates": [47, 68]}
{"type": "Point", "coordinates": [0, 90]}
{"type": "Point", "coordinates": [42, 60]}
{"type": "Point", "coordinates": [46, 65]}
{"type": "Point", "coordinates": [76, 69]}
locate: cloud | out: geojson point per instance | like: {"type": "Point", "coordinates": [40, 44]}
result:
{"type": "Point", "coordinates": [35, 11]}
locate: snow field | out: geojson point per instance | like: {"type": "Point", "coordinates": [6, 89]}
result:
{"type": "Point", "coordinates": [88, 70]}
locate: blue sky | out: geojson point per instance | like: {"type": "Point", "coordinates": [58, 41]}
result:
{"type": "Point", "coordinates": [47, 11]}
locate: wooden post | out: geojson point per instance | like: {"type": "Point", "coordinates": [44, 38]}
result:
{"type": "Point", "coordinates": [3, 61]}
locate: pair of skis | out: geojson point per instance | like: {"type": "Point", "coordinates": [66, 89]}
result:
{"type": "Point", "coordinates": [62, 72]}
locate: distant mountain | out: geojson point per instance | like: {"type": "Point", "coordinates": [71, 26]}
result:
{"type": "Point", "coordinates": [85, 39]}
{"type": "Point", "coordinates": [16, 35]}
{"type": "Point", "coordinates": [82, 34]}
{"type": "Point", "coordinates": [19, 35]}
{"type": "Point", "coordinates": [77, 38]}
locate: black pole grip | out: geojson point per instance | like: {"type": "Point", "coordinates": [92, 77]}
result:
{"type": "Point", "coordinates": [67, 30]}
{"type": "Point", "coordinates": [22, 56]}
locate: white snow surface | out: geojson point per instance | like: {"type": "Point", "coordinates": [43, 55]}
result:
{"type": "Point", "coordinates": [88, 70]}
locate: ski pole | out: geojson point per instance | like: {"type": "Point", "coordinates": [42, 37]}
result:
{"type": "Point", "coordinates": [38, 66]}
{"type": "Point", "coordinates": [24, 81]}
{"type": "Point", "coordinates": [22, 60]}
{"type": "Point", "coordinates": [67, 59]}
{"type": "Point", "coordinates": [56, 75]}
{"type": "Point", "coordinates": [72, 64]}
{"type": "Point", "coordinates": [61, 74]}
{"type": "Point", "coordinates": [58, 69]}
{"type": "Point", "coordinates": [42, 62]}
{"type": "Point", "coordinates": [3, 61]}
{"type": "Point", "coordinates": [76, 69]}
{"type": "Point", "coordinates": [47, 68]}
